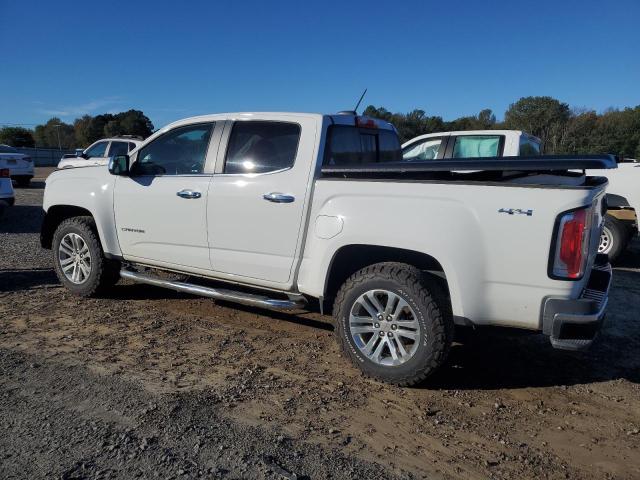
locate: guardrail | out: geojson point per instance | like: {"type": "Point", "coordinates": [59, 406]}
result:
{"type": "Point", "coordinates": [44, 157]}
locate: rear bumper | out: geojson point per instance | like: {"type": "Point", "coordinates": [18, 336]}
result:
{"type": "Point", "coordinates": [574, 324]}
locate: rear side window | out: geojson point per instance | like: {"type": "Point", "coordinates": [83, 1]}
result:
{"type": "Point", "coordinates": [476, 146]}
{"type": "Point", "coordinates": [529, 147]}
{"type": "Point", "coordinates": [131, 146]}
{"type": "Point", "coordinates": [261, 146]}
{"type": "Point", "coordinates": [426, 149]}
{"type": "Point", "coordinates": [349, 145]}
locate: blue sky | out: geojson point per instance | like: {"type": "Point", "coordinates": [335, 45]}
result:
{"type": "Point", "coordinates": [178, 59]}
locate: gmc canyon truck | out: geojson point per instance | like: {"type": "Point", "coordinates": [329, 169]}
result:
{"type": "Point", "coordinates": [283, 210]}
{"type": "Point", "coordinates": [623, 192]}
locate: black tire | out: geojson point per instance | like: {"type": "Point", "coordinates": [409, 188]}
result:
{"type": "Point", "coordinates": [616, 235]}
{"type": "Point", "coordinates": [23, 181]}
{"type": "Point", "coordinates": [104, 273]}
{"type": "Point", "coordinates": [424, 296]}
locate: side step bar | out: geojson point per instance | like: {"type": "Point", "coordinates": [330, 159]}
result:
{"type": "Point", "coordinates": [295, 300]}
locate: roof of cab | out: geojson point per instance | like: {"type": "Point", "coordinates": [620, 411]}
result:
{"type": "Point", "coordinates": [342, 119]}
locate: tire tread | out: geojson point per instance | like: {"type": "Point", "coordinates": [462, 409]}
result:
{"type": "Point", "coordinates": [432, 298]}
{"type": "Point", "coordinates": [107, 271]}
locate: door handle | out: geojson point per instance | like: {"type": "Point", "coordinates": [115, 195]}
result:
{"type": "Point", "coordinates": [186, 193]}
{"type": "Point", "coordinates": [278, 197]}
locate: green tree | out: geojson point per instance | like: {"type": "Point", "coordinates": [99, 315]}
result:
{"type": "Point", "coordinates": [55, 133]}
{"type": "Point", "coordinates": [618, 131]}
{"type": "Point", "coordinates": [17, 137]}
{"type": "Point", "coordinates": [408, 125]}
{"type": "Point", "coordinates": [544, 117]}
{"type": "Point", "coordinates": [132, 122]}
{"type": "Point", "coordinates": [82, 130]}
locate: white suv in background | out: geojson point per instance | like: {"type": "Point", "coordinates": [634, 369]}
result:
{"type": "Point", "coordinates": [99, 152]}
{"type": "Point", "coordinates": [20, 165]}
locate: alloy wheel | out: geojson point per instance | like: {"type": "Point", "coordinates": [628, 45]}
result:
{"type": "Point", "coordinates": [384, 327]}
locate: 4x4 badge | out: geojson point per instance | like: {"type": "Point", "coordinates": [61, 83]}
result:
{"type": "Point", "coordinates": [516, 211]}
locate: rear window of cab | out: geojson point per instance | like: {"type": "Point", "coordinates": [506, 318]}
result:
{"type": "Point", "coordinates": [350, 145]}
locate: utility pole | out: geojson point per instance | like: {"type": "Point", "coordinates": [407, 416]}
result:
{"type": "Point", "coordinates": [57, 125]}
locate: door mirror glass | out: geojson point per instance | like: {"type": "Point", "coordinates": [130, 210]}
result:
{"type": "Point", "coordinates": [119, 165]}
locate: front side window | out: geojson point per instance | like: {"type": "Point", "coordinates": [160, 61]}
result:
{"type": "Point", "coordinates": [474, 146]}
{"type": "Point", "coordinates": [118, 148]}
{"type": "Point", "coordinates": [132, 146]}
{"type": "Point", "coordinates": [261, 146]}
{"type": "Point", "coordinates": [349, 145]}
{"type": "Point", "coordinates": [426, 149]}
{"type": "Point", "coordinates": [97, 150]}
{"type": "Point", "coordinates": [181, 151]}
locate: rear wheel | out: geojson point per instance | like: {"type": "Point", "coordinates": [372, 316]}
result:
{"type": "Point", "coordinates": [78, 258]}
{"type": "Point", "coordinates": [393, 323]}
{"type": "Point", "coordinates": [613, 239]}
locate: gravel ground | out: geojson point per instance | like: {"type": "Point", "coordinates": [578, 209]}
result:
{"type": "Point", "coordinates": [150, 383]}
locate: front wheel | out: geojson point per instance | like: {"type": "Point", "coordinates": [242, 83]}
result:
{"type": "Point", "coordinates": [78, 258]}
{"type": "Point", "coordinates": [393, 323]}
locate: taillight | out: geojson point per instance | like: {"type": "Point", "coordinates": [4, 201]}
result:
{"type": "Point", "coordinates": [572, 244]}
{"type": "Point", "coordinates": [27, 159]}
{"type": "Point", "coordinates": [4, 173]}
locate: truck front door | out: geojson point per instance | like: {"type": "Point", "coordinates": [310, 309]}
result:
{"type": "Point", "coordinates": [160, 208]}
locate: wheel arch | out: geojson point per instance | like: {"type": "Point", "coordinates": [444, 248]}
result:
{"type": "Point", "coordinates": [350, 258]}
{"type": "Point", "coordinates": [54, 216]}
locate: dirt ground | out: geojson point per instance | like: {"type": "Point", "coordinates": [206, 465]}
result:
{"type": "Point", "coordinates": [150, 383]}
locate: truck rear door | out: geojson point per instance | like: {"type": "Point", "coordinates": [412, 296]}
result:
{"type": "Point", "coordinates": [257, 197]}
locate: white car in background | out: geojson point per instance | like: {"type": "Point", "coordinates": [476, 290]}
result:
{"type": "Point", "coordinates": [19, 164]}
{"type": "Point", "coordinates": [7, 197]}
{"type": "Point", "coordinates": [98, 153]}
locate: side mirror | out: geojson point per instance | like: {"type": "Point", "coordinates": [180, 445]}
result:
{"type": "Point", "coordinates": [119, 165]}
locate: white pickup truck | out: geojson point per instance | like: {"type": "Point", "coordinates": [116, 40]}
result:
{"type": "Point", "coordinates": [623, 192]}
{"type": "Point", "coordinates": [284, 210]}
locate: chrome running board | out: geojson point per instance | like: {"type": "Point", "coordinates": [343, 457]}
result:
{"type": "Point", "coordinates": [295, 299]}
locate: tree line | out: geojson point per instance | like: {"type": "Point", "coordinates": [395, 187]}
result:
{"type": "Point", "coordinates": [81, 133]}
{"type": "Point", "coordinates": [563, 130]}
